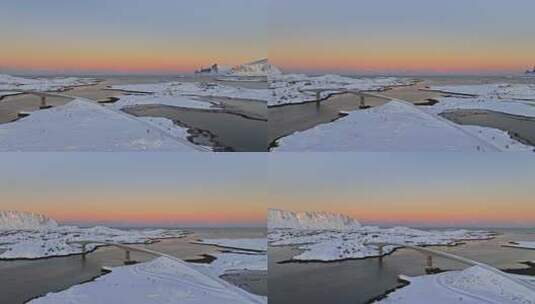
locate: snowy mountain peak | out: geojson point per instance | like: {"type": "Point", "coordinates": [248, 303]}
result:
{"type": "Point", "coordinates": [16, 220]}
{"type": "Point", "coordinates": [260, 67]}
{"type": "Point", "coordinates": [310, 220]}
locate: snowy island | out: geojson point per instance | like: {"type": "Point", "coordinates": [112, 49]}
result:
{"type": "Point", "coordinates": [339, 237]}
{"type": "Point", "coordinates": [32, 236]}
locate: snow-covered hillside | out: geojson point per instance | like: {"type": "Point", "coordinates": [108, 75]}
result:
{"type": "Point", "coordinates": [16, 220]}
{"type": "Point", "coordinates": [256, 68]}
{"type": "Point", "coordinates": [310, 220]}
{"type": "Point", "coordinates": [82, 125]}
{"type": "Point", "coordinates": [163, 280]}
{"type": "Point", "coordinates": [474, 285]}
{"type": "Point", "coordinates": [401, 127]}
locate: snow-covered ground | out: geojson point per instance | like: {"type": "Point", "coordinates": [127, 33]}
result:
{"type": "Point", "coordinates": [34, 244]}
{"type": "Point", "coordinates": [82, 125]}
{"type": "Point", "coordinates": [300, 88]}
{"type": "Point", "coordinates": [475, 285]}
{"type": "Point", "coordinates": [504, 106]}
{"type": "Point", "coordinates": [170, 100]}
{"type": "Point", "coordinates": [522, 244]}
{"type": "Point", "coordinates": [401, 126]}
{"type": "Point", "coordinates": [199, 89]}
{"type": "Point", "coordinates": [329, 244]}
{"type": "Point", "coordinates": [398, 126]}
{"type": "Point", "coordinates": [245, 244]}
{"type": "Point", "coordinates": [310, 220]}
{"type": "Point", "coordinates": [12, 83]}
{"type": "Point", "coordinates": [30, 236]}
{"type": "Point", "coordinates": [162, 280]}
{"type": "Point", "coordinates": [244, 254]}
{"type": "Point", "coordinates": [492, 91]}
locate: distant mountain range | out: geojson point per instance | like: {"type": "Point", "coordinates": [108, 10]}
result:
{"type": "Point", "coordinates": [256, 68]}
{"type": "Point", "coordinates": [16, 220]}
{"type": "Point", "coordinates": [278, 219]}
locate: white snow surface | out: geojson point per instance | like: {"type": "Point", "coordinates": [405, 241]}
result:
{"type": "Point", "coordinates": [199, 89]}
{"type": "Point", "coordinates": [83, 125]}
{"type": "Point", "coordinates": [398, 126]}
{"type": "Point", "coordinates": [245, 244]}
{"type": "Point", "coordinates": [237, 262]}
{"type": "Point", "coordinates": [26, 244]}
{"type": "Point", "coordinates": [475, 285]}
{"type": "Point", "coordinates": [334, 245]}
{"type": "Point", "coordinates": [169, 100]}
{"type": "Point", "coordinates": [162, 280]}
{"type": "Point", "coordinates": [503, 106]}
{"type": "Point", "coordinates": [522, 244]}
{"type": "Point", "coordinates": [310, 220]}
{"type": "Point", "coordinates": [492, 91]}
{"type": "Point", "coordinates": [16, 220]}
{"type": "Point", "coordinates": [300, 88]}
{"type": "Point", "coordinates": [12, 83]}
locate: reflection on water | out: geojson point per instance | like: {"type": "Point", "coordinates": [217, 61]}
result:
{"type": "Point", "coordinates": [358, 281]}
{"type": "Point", "coordinates": [22, 280]}
{"type": "Point", "coordinates": [221, 130]}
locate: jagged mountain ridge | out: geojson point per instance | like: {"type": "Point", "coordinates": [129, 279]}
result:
{"type": "Point", "coordinates": [310, 220]}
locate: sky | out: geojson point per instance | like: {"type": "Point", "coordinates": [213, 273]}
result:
{"type": "Point", "coordinates": [217, 190]}
{"type": "Point", "coordinates": [137, 189]}
{"type": "Point", "coordinates": [412, 189]}
{"type": "Point", "coordinates": [403, 37]}
{"type": "Point", "coordinates": [129, 36]}
{"type": "Point", "coordinates": [413, 37]}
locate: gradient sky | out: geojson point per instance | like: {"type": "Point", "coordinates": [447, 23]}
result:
{"type": "Point", "coordinates": [410, 36]}
{"type": "Point", "coordinates": [137, 188]}
{"type": "Point", "coordinates": [129, 36]}
{"type": "Point", "coordinates": [433, 189]}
